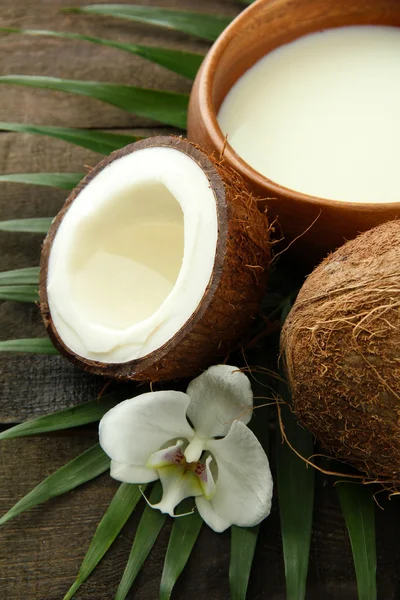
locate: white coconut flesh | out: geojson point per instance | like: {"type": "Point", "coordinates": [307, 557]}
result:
{"type": "Point", "coordinates": [133, 255]}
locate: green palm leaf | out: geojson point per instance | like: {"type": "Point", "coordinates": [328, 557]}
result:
{"type": "Point", "coordinates": [81, 469]}
{"type": "Point", "coordinates": [31, 345]}
{"type": "Point", "coordinates": [183, 63]}
{"type": "Point", "coordinates": [243, 546]}
{"type": "Point", "coordinates": [88, 412]}
{"type": "Point", "coordinates": [98, 141]}
{"type": "Point", "coordinates": [358, 509]}
{"type": "Point", "coordinates": [244, 539]}
{"type": "Point", "coordinates": [19, 293]}
{"type": "Point", "coordinates": [166, 107]}
{"type": "Point", "coordinates": [201, 25]}
{"type": "Point", "coordinates": [20, 276]}
{"type": "Point", "coordinates": [183, 537]}
{"type": "Point", "coordinates": [296, 500]}
{"type": "Point", "coordinates": [27, 225]}
{"type": "Point", "coordinates": [64, 181]}
{"type": "Point", "coordinates": [116, 516]}
{"type": "Point", "coordinates": [149, 527]}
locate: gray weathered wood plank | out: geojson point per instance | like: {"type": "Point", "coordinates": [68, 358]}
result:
{"type": "Point", "coordinates": [41, 550]}
{"type": "Point", "coordinates": [48, 543]}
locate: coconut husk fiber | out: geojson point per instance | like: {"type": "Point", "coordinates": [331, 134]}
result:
{"type": "Point", "coordinates": [341, 350]}
{"type": "Point", "coordinates": [231, 300]}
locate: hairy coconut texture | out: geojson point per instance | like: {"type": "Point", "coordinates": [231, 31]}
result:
{"type": "Point", "coordinates": [232, 297]}
{"type": "Point", "coordinates": [341, 348]}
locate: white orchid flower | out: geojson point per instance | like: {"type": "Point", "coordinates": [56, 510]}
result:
{"type": "Point", "coordinates": [215, 458]}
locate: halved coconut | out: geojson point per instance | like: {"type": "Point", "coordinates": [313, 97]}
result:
{"type": "Point", "coordinates": [156, 264]}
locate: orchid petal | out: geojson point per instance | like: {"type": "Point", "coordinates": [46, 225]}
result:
{"type": "Point", "coordinates": [209, 515]}
{"type": "Point", "coordinates": [178, 484]}
{"type": "Point", "coordinates": [166, 457]}
{"type": "Point", "coordinates": [131, 431]}
{"type": "Point", "coordinates": [132, 473]}
{"type": "Point", "coordinates": [244, 485]}
{"type": "Point", "coordinates": [206, 479]}
{"type": "Point", "coordinates": [218, 397]}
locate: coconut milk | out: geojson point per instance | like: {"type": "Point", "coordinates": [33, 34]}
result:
{"type": "Point", "coordinates": [321, 115]}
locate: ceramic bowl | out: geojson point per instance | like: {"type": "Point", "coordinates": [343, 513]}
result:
{"type": "Point", "coordinates": [264, 26]}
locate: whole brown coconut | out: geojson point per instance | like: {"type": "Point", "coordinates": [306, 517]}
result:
{"type": "Point", "coordinates": [341, 349]}
{"type": "Point", "coordinates": [230, 300]}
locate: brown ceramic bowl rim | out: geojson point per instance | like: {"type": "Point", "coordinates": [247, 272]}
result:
{"type": "Point", "coordinates": [206, 82]}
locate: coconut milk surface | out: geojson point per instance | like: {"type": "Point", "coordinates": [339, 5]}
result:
{"type": "Point", "coordinates": [321, 115]}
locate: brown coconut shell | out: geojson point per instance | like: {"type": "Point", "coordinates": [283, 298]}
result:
{"type": "Point", "coordinates": [341, 349]}
{"type": "Point", "coordinates": [232, 297]}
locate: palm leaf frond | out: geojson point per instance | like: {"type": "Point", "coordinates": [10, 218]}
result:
{"type": "Point", "coordinates": [243, 546]}
{"type": "Point", "coordinates": [98, 141]}
{"type": "Point", "coordinates": [81, 469]}
{"type": "Point", "coordinates": [19, 293]}
{"type": "Point", "coordinates": [183, 63]}
{"type": "Point", "coordinates": [76, 416]}
{"type": "Point", "coordinates": [183, 537]}
{"type": "Point", "coordinates": [149, 527]}
{"type": "Point", "coordinates": [357, 505]}
{"type": "Point", "coordinates": [40, 225]}
{"type": "Point", "coordinates": [64, 181]}
{"type": "Point", "coordinates": [165, 107]}
{"type": "Point", "coordinates": [201, 25]}
{"type": "Point", "coordinates": [28, 275]}
{"type": "Point", "coordinates": [296, 501]}
{"type": "Point", "coordinates": [115, 517]}
{"type": "Point", "coordinates": [30, 345]}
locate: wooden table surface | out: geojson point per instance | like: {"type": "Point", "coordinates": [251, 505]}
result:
{"type": "Point", "coordinates": [41, 550]}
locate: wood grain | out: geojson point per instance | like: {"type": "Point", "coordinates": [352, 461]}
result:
{"type": "Point", "coordinates": [81, 60]}
{"type": "Point", "coordinates": [48, 543]}
{"type": "Point", "coordinates": [41, 551]}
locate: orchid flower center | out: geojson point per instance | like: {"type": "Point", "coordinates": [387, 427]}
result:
{"type": "Point", "coordinates": [180, 479]}
{"type": "Point", "coordinates": [196, 466]}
